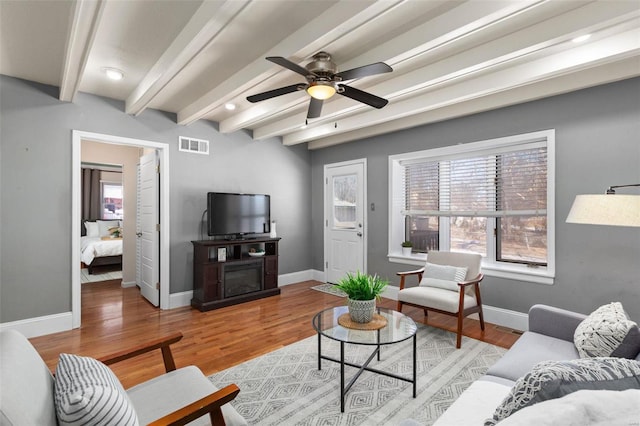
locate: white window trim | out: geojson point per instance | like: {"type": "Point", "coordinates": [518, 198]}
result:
{"type": "Point", "coordinates": [520, 272]}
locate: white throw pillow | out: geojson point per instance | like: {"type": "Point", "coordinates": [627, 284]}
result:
{"type": "Point", "coordinates": [443, 276]}
{"type": "Point", "coordinates": [88, 393]}
{"type": "Point", "coordinates": [105, 225]}
{"type": "Point", "coordinates": [604, 333]}
{"type": "Point", "coordinates": [92, 229]}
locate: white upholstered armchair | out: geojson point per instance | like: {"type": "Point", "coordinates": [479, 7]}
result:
{"type": "Point", "coordinates": [448, 284]}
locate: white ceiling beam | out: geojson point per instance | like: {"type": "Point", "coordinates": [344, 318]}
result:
{"type": "Point", "coordinates": [452, 26]}
{"type": "Point", "coordinates": [205, 25]}
{"type": "Point", "coordinates": [328, 26]}
{"type": "Point", "coordinates": [610, 49]}
{"type": "Point", "coordinates": [83, 26]}
{"type": "Point", "coordinates": [497, 53]}
{"type": "Point", "coordinates": [562, 84]}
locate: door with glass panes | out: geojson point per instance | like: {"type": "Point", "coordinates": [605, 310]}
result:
{"type": "Point", "coordinates": [345, 233]}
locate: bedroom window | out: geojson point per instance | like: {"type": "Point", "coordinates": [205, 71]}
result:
{"type": "Point", "coordinates": [111, 200]}
{"type": "Point", "coordinates": [492, 197]}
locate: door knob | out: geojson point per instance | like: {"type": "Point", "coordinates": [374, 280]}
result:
{"type": "Point", "coordinates": [359, 234]}
{"type": "Point", "coordinates": [138, 234]}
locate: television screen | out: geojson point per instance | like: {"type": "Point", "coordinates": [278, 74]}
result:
{"type": "Point", "coordinates": [238, 214]}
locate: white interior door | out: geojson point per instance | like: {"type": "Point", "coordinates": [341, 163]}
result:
{"type": "Point", "coordinates": [148, 234]}
{"type": "Point", "coordinates": [345, 227]}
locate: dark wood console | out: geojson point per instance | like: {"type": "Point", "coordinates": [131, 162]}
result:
{"type": "Point", "coordinates": [238, 278]}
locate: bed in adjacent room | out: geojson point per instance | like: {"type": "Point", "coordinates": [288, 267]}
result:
{"type": "Point", "coordinates": [101, 246]}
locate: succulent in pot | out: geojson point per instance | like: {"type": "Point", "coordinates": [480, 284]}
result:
{"type": "Point", "coordinates": [362, 291]}
{"type": "Point", "coordinates": [407, 247]}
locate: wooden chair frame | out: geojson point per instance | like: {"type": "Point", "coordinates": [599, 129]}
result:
{"type": "Point", "coordinates": [211, 404]}
{"type": "Point", "coordinates": [461, 311]}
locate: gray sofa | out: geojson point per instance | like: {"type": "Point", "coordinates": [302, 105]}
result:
{"type": "Point", "coordinates": [550, 337]}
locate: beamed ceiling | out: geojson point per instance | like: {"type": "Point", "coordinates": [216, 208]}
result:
{"type": "Point", "coordinates": [450, 58]}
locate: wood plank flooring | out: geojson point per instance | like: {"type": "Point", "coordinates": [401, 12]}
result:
{"type": "Point", "coordinates": [114, 318]}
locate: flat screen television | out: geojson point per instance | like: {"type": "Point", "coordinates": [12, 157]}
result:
{"type": "Point", "coordinates": [236, 215]}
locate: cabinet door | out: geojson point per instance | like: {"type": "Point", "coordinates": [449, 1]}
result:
{"type": "Point", "coordinates": [270, 272]}
{"type": "Point", "coordinates": [211, 283]}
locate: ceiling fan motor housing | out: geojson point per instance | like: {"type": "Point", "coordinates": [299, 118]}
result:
{"type": "Point", "coordinates": [322, 66]}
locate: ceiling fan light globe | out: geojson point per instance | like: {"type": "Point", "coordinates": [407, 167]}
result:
{"type": "Point", "coordinates": [321, 91]}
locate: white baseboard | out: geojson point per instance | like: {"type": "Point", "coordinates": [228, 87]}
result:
{"type": "Point", "coordinates": [128, 284]}
{"type": "Point", "coordinates": [506, 318]}
{"type": "Point", "coordinates": [40, 326]}
{"type": "Point", "coordinates": [498, 316]}
{"type": "Point", "coordinates": [179, 300]}
{"type": "Point", "coordinates": [295, 277]}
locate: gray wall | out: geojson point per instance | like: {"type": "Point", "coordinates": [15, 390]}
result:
{"type": "Point", "coordinates": [35, 218]}
{"type": "Point", "coordinates": [597, 145]}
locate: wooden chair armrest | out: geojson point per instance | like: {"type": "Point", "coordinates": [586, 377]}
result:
{"type": "Point", "coordinates": [476, 280]}
{"type": "Point", "coordinates": [161, 343]}
{"type": "Point", "coordinates": [408, 273]}
{"type": "Point", "coordinates": [210, 404]}
{"type": "Point", "coordinates": [405, 274]}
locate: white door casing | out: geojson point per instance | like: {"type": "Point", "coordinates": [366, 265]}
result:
{"type": "Point", "coordinates": [345, 230]}
{"type": "Point", "coordinates": [149, 225]}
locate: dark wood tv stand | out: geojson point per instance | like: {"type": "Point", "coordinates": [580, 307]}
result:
{"type": "Point", "coordinates": [240, 278]}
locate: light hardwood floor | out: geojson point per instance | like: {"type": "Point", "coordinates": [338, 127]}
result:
{"type": "Point", "coordinates": [114, 318]}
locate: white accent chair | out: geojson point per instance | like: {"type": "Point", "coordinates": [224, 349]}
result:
{"type": "Point", "coordinates": [458, 298]}
{"type": "Point", "coordinates": [178, 397]}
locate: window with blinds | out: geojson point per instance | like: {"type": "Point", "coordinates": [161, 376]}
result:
{"type": "Point", "coordinates": [489, 197]}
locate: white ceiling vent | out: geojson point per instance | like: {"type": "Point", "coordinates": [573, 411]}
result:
{"type": "Point", "coordinates": [197, 146]}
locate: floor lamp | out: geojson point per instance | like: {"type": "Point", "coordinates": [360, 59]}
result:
{"type": "Point", "coordinates": [607, 209]}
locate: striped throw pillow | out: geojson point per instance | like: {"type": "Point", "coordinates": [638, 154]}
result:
{"type": "Point", "coordinates": [88, 393]}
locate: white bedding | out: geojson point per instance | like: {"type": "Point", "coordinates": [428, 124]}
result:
{"type": "Point", "coordinates": [92, 247]}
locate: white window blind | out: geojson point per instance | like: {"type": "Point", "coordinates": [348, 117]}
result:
{"type": "Point", "coordinates": [504, 182]}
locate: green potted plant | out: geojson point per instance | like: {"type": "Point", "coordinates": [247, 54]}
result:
{"type": "Point", "coordinates": [407, 246]}
{"type": "Point", "coordinates": [362, 291]}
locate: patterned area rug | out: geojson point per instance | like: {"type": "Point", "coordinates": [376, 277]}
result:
{"type": "Point", "coordinates": [285, 387]}
{"type": "Point", "coordinates": [329, 288]}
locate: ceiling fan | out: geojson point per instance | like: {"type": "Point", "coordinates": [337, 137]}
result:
{"type": "Point", "coordinates": [323, 82]}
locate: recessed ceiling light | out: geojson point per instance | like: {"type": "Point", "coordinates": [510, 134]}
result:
{"type": "Point", "coordinates": [113, 73]}
{"type": "Point", "coordinates": [230, 106]}
{"type": "Point", "coordinates": [581, 38]}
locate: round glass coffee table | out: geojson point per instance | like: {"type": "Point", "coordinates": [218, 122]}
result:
{"type": "Point", "coordinates": [398, 328]}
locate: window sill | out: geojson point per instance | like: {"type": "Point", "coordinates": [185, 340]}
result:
{"type": "Point", "coordinates": [508, 271]}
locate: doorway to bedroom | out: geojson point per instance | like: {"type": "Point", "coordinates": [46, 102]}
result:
{"type": "Point", "coordinates": [116, 214]}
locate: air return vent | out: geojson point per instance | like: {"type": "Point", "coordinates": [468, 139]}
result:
{"type": "Point", "coordinates": [197, 146]}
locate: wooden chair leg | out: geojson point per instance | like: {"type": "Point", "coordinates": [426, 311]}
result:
{"type": "Point", "coordinates": [459, 338]}
{"type": "Point", "coordinates": [400, 306]}
{"type": "Point", "coordinates": [481, 319]}
{"type": "Point", "coordinates": [426, 312]}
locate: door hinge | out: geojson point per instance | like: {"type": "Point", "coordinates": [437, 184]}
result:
{"type": "Point", "coordinates": [158, 227]}
{"type": "Point", "coordinates": [158, 286]}
{"type": "Point", "coordinates": [326, 265]}
{"type": "Point", "coordinates": [326, 222]}
{"type": "Point", "coordinates": [158, 169]}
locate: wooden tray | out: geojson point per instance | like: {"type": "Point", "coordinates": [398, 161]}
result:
{"type": "Point", "coordinates": [376, 323]}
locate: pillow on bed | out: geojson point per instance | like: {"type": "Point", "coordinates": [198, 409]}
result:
{"type": "Point", "coordinates": [105, 225]}
{"type": "Point", "coordinates": [92, 229]}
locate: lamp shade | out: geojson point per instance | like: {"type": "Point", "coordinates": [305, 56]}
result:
{"type": "Point", "coordinates": [321, 90]}
{"type": "Point", "coordinates": [606, 209]}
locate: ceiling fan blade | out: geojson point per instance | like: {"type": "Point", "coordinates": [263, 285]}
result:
{"type": "Point", "coordinates": [315, 108]}
{"type": "Point", "coordinates": [284, 62]}
{"type": "Point", "coordinates": [364, 97]}
{"type": "Point", "coordinates": [364, 71]}
{"type": "Point", "coordinates": [273, 93]}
